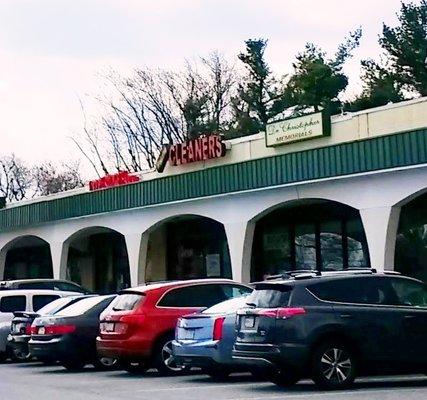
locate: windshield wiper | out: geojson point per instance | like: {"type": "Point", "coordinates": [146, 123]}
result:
{"type": "Point", "coordinates": [253, 305]}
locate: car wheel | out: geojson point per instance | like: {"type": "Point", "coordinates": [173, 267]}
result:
{"type": "Point", "coordinates": [105, 363]}
{"type": "Point", "coordinates": [133, 367]}
{"type": "Point", "coordinates": [284, 377]}
{"type": "Point", "coordinates": [20, 356]}
{"type": "Point", "coordinates": [217, 374]}
{"type": "Point", "coordinates": [165, 361]}
{"type": "Point", "coordinates": [334, 366]}
{"type": "Point", "coordinates": [74, 365]}
{"type": "Point", "coordinates": [3, 356]}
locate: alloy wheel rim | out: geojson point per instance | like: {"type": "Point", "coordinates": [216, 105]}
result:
{"type": "Point", "coordinates": [21, 355]}
{"type": "Point", "coordinates": [336, 365]}
{"type": "Point", "coordinates": [168, 357]}
{"type": "Point", "coordinates": [108, 361]}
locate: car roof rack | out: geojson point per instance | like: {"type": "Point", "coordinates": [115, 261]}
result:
{"type": "Point", "coordinates": [292, 274]}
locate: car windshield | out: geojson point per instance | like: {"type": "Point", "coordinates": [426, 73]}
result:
{"type": "Point", "coordinates": [54, 306]}
{"type": "Point", "coordinates": [226, 307]}
{"type": "Point", "coordinates": [81, 306]}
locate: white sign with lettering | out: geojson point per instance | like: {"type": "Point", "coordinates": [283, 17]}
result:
{"type": "Point", "coordinates": [296, 129]}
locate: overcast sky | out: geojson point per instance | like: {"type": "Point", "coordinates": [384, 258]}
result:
{"type": "Point", "coordinates": [52, 51]}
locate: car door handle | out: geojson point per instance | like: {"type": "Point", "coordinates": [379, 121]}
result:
{"type": "Point", "coordinates": [346, 316]}
{"type": "Point", "coordinates": [410, 317]}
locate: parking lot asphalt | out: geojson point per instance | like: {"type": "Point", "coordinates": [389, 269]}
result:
{"type": "Point", "coordinates": [35, 381]}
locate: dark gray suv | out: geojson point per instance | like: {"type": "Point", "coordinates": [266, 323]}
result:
{"type": "Point", "coordinates": [333, 327]}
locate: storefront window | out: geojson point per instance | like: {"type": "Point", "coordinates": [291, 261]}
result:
{"type": "Point", "coordinates": [356, 244]}
{"type": "Point", "coordinates": [28, 262]}
{"type": "Point", "coordinates": [188, 248]}
{"type": "Point", "coordinates": [305, 246]}
{"type": "Point", "coordinates": [331, 245]}
{"type": "Point", "coordinates": [411, 240]}
{"type": "Point", "coordinates": [317, 235]}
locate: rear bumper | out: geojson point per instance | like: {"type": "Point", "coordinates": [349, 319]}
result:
{"type": "Point", "coordinates": [18, 342]}
{"type": "Point", "coordinates": [123, 349]}
{"type": "Point", "coordinates": [52, 349]}
{"type": "Point", "coordinates": [271, 356]}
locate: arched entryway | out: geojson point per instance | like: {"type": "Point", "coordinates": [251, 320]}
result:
{"type": "Point", "coordinates": [98, 260]}
{"type": "Point", "coordinates": [27, 257]}
{"type": "Point", "coordinates": [411, 240]}
{"type": "Point", "coordinates": [187, 247]}
{"type": "Point", "coordinates": [308, 234]}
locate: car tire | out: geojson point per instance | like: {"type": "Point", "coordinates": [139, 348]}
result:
{"type": "Point", "coordinates": [333, 366]}
{"type": "Point", "coordinates": [105, 363]}
{"type": "Point", "coordinates": [133, 367]}
{"type": "Point", "coordinates": [217, 374]}
{"type": "Point", "coordinates": [284, 377]}
{"type": "Point", "coordinates": [164, 360]}
{"type": "Point", "coordinates": [73, 365]}
{"type": "Point", "coordinates": [19, 356]}
{"type": "Point", "coordinates": [3, 356]}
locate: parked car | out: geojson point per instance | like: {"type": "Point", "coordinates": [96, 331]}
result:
{"type": "Point", "coordinates": [20, 332]}
{"type": "Point", "coordinates": [69, 335]}
{"type": "Point", "coordinates": [48, 284]}
{"type": "Point", "coordinates": [206, 339]}
{"type": "Point", "coordinates": [21, 300]}
{"type": "Point", "coordinates": [335, 327]}
{"type": "Point", "coordinates": [140, 325]}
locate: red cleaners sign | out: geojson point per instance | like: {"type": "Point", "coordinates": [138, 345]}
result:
{"type": "Point", "coordinates": [200, 149]}
{"type": "Point", "coordinates": [121, 178]}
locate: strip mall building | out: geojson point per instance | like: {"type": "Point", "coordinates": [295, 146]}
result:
{"type": "Point", "coordinates": [353, 195]}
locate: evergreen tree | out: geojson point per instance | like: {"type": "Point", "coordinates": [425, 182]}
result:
{"type": "Point", "coordinates": [259, 97]}
{"type": "Point", "coordinates": [403, 69]}
{"type": "Point", "coordinates": [317, 81]}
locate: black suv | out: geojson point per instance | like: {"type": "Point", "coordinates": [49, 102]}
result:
{"type": "Point", "coordinates": [334, 326]}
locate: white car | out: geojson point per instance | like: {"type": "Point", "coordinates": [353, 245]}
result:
{"type": "Point", "coordinates": [22, 300]}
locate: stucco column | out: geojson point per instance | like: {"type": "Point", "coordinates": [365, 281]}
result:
{"type": "Point", "coordinates": [380, 224]}
{"type": "Point", "coordinates": [240, 238]}
{"type": "Point", "coordinates": [59, 254]}
{"type": "Point", "coordinates": [133, 246]}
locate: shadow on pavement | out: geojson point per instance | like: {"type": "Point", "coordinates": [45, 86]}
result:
{"type": "Point", "coordinates": [378, 383]}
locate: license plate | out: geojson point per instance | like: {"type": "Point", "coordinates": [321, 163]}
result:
{"type": "Point", "coordinates": [107, 326]}
{"type": "Point", "coordinates": [249, 322]}
{"type": "Point", "coordinates": [186, 334]}
{"type": "Point", "coordinates": [41, 330]}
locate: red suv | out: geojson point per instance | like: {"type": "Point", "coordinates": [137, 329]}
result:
{"type": "Point", "coordinates": [139, 325]}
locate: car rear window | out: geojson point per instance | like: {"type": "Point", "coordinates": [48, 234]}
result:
{"type": "Point", "coordinates": [226, 307]}
{"type": "Point", "coordinates": [41, 300]}
{"type": "Point", "coordinates": [10, 304]}
{"type": "Point", "coordinates": [270, 296]}
{"type": "Point", "coordinates": [81, 306]}
{"type": "Point", "coordinates": [126, 302]}
{"type": "Point", "coordinates": [55, 305]}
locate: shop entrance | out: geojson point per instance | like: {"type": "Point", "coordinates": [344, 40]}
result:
{"type": "Point", "coordinates": [187, 247]}
{"type": "Point", "coordinates": [28, 257]}
{"type": "Point", "coordinates": [98, 260]}
{"type": "Point", "coordinates": [311, 235]}
{"type": "Point", "coordinates": [411, 241]}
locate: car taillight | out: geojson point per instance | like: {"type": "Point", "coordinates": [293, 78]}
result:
{"type": "Point", "coordinates": [56, 330]}
{"type": "Point", "coordinates": [120, 328]}
{"type": "Point", "coordinates": [282, 313]}
{"type": "Point", "coordinates": [217, 328]}
{"type": "Point", "coordinates": [28, 329]}
{"type": "Point", "coordinates": [33, 330]}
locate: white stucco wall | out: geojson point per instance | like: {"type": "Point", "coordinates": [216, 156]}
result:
{"type": "Point", "coordinates": [378, 196]}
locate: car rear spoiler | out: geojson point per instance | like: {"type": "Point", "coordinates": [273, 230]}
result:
{"type": "Point", "coordinates": [26, 314]}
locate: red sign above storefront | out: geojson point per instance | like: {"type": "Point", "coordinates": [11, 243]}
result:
{"type": "Point", "coordinates": [119, 179]}
{"type": "Point", "coordinates": [200, 149]}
